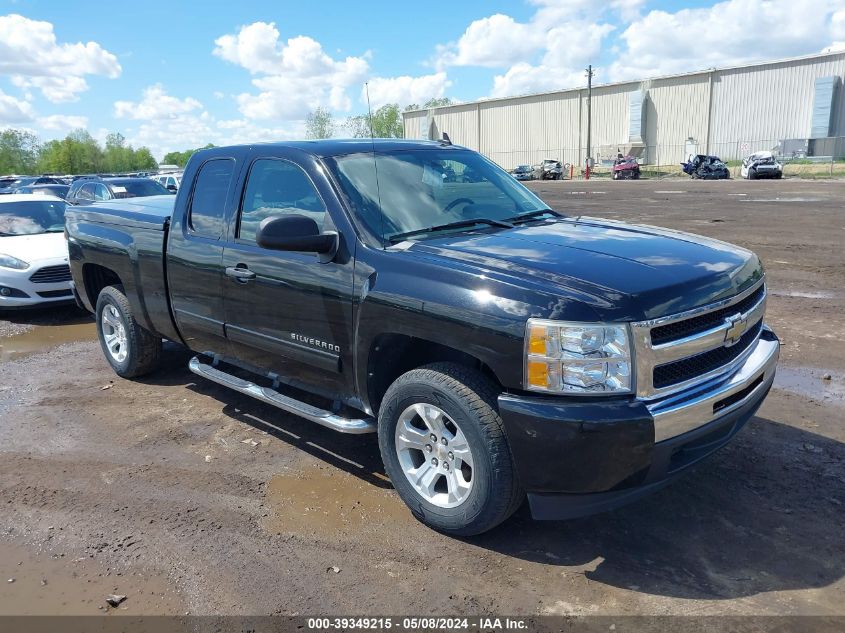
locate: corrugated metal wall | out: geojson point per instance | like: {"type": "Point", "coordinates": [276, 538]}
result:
{"type": "Point", "coordinates": [728, 112]}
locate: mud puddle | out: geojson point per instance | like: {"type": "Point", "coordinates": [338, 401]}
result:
{"type": "Point", "coordinates": [810, 382]}
{"type": "Point", "coordinates": [63, 584]}
{"type": "Point", "coordinates": [327, 501]}
{"type": "Point", "coordinates": [821, 294]}
{"type": "Point", "coordinates": [44, 337]}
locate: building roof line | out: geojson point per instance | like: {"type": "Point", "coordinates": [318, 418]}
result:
{"type": "Point", "coordinates": [703, 71]}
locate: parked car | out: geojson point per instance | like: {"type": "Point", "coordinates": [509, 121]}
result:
{"type": "Point", "coordinates": [33, 252]}
{"type": "Point", "coordinates": [88, 190]}
{"type": "Point", "coordinates": [497, 347]}
{"type": "Point", "coordinates": [171, 182]}
{"type": "Point", "coordinates": [523, 172]}
{"type": "Point", "coordinates": [60, 191]}
{"type": "Point", "coordinates": [761, 165]}
{"type": "Point", "coordinates": [549, 169]}
{"type": "Point", "coordinates": [25, 181]}
{"type": "Point", "coordinates": [706, 167]}
{"type": "Point", "coordinates": [625, 168]}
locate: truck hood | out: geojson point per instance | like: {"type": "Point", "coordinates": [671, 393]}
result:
{"type": "Point", "coordinates": [34, 248]}
{"type": "Point", "coordinates": [625, 271]}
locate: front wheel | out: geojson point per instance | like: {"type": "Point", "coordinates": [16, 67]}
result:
{"type": "Point", "coordinates": [444, 448]}
{"type": "Point", "coordinates": [131, 350]}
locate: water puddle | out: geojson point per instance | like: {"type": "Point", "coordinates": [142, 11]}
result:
{"type": "Point", "coordinates": [821, 294]}
{"type": "Point", "coordinates": [44, 337]}
{"type": "Point", "coordinates": [810, 382]}
{"type": "Point", "coordinates": [328, 501]}
{"type": "Point", "coordinates": [784, 200]}
{"type": "Point", "coordinates": [67, 584]}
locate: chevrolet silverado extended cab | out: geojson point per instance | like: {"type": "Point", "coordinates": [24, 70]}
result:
{"type": "Point", "coordinates": [499, 348]}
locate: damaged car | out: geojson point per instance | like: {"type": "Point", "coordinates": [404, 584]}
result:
{"type": "Point", "coordinates": [761, 165]}
{"type": "Point", "coordinates": [625, 168]}
{"type": "Point", "coordinates": [706, 168]}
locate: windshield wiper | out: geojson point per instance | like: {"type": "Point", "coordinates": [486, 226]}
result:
{"type": "Point", "coordinates": [451, 225]}
{"type": "Point", "coordinates": [532, 215]}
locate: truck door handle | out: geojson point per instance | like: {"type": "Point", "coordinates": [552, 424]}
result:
{"type": "Point", "coordinates": [240, 273]}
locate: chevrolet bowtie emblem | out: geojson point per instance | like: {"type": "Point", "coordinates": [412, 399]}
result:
{"type": "Point", "coordinates": [736, 328]}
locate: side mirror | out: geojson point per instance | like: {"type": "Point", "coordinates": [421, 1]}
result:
{"type": "Point", "coordinates": [171, 188]}
{"type": "Point", "coordinates": [295, 233]}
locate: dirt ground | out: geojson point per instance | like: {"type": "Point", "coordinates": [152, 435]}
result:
{"type": "Point", "coordinates": [188, 498]}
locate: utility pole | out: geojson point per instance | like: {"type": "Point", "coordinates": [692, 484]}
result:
{"type": "Point", "coordinates": [589, 116]}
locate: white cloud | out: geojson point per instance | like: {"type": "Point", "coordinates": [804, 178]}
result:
{"type": "Point", "coordinates": [728, 33]}
{"type": "Point", "coordinates": [628, 10]}
{"type": "Point", "coordinates": [189, 130]}
{"type": "Point", "coordinates": [406, 89]}
{"type": "Point", "coordinates": [569, 48]}
{"type": "Point", "coordinates": [546, 52]}
{"type": "Point", "coordinates": [524, 78]}
{"type": "Point", "coordinates": [63, 122]}
{"type": "Point", "coordinates": [155, 104]}
{"type": "Point", "coordinates": [494, 41]}
{"type": "Point", "coordinates": [14, 111]}
{"type": "Point", "coordinates": [293, 77]}
{"type": "Point", "coordinates": [30, 54]}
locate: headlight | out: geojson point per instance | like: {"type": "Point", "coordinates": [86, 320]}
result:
{"type": "Point", "coordinates": [7, 261]}
{"type": "Point", "coordinates": [577, 358]}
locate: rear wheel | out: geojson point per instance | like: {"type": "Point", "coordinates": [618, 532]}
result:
{"type": "Point", "coordinates": [445, 450]}
{"type": "Point", "coordinates": [130, 349]}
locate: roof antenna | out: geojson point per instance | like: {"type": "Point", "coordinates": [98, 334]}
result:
{"type": "Point", "coordinates": [375, 162]}
{"type": "Point", "coordinates": [446, 140]}
{"type": "Point", "coordinates": [370, 115]}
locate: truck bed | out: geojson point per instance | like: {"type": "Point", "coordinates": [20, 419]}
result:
{"type": "Point", "coordinates": [127, 237]}
{"type": "Point", "coordinates": [144, 213]}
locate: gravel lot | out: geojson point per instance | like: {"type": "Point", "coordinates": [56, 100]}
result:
{"type": "Point", "coordinates": [188, 498]}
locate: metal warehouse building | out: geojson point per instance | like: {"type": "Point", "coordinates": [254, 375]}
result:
{"type": "Point", "coordinates": [793, 106]}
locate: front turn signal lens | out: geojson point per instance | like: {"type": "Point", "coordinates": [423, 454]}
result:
{"type": "Point", "coordinates": [577, 358]}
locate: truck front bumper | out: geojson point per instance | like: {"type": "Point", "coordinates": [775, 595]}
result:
{"type": "Point", "coordinates": [577, 457]}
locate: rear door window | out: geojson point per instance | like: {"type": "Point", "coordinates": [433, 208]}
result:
{"type": "Point", "coordinates": [211, 191]}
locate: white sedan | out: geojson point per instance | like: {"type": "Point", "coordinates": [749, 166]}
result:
{"type": "Point", "coordinates": [33, 253]}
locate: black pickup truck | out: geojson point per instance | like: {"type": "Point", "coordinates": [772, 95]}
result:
{"type": "Point", "coordinates": [499, 348]}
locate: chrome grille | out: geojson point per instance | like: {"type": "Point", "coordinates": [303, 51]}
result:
{"type": "Point", "coordinates": [51, 274]}
{"type": "Point", "coordinates": [689, 368]}
{"type": "Point", "coordinates": [677, 351]}
{"type": "Point", "coordinates": [687, 327]}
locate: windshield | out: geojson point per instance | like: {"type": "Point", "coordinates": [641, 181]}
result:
{"type": "Point", "coordinates": [140, 188]}
{"type": "Point", "coordinates": [32, 217]}
{"type": "Point", "coordinates": [419, 189]}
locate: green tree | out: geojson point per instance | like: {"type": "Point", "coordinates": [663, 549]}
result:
{"type": "Point", "coordinates": [181, 158]}
{"type": "Point", "coordinates": [386, 123]}
{"type": "Point", "coordinates": [77, 153]}
{"type": "Point", "coordinates": [434, 102]}
{"type": "Point", "coordinates": [18, 152]}
{"type": "Point", "coordinates": [319, 124]}
{"type": "Point", "coordinates": [144, 159]}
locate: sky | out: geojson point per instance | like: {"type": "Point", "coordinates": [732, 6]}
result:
{"type": "Point", "coordinates": [178, 75]}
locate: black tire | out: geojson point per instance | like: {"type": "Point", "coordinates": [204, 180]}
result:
{"type": "Point", "coordinates": [143, 349]}
{"type": "Point", "coordinates": [470, 400]}
{"type": "Point", "coordinates": [752, 174]}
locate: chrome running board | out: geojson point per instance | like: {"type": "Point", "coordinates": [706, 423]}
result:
{"type": "Point", "coordinates": [286, 403]}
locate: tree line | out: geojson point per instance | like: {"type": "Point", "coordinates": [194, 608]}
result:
{"type": "Point", "coordinates": [386, 122]}
{"type": "Point", "coordinates": [22, 152]}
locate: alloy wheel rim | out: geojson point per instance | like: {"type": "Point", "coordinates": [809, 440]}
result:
{"type": "Point", "coordinates": [114, 333]}
{"type": "Point", "coordinates": [434, 455]}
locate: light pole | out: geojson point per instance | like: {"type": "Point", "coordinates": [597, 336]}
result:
{"type": "Point", "coordinates": [589, 117]}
